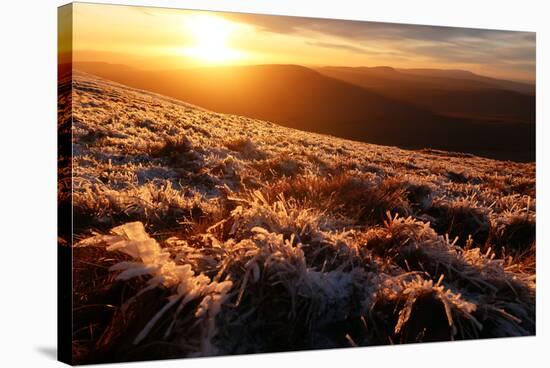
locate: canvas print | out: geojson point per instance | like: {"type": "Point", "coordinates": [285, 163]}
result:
{"type": "Point", "coordinates": [243, 183]}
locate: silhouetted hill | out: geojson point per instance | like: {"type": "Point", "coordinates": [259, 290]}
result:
{"type": "Point", "coordinates": [526, 88]}
{"type": "Point", "coordinates": [305, 99]}
{"type": "Point", "coordinates": [384, 76]}
{"type": "Point", "coordinates": [455, 93]}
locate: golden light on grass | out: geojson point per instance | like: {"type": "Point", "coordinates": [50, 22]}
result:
{"type": "Point", "coordinates": [212, 36]}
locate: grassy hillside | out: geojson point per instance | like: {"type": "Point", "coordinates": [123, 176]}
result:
{"type": "Point", "coordinates": [491, 123]}
{"type": "Point", "coordinates": [200, 233]}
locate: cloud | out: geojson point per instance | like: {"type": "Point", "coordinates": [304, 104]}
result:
{"type": "Point", "coordinates": [338, 46]}
{"type": "Point", "coordinates": [452, 45]}
{"type": "Point", "coordinates": [351, 29]}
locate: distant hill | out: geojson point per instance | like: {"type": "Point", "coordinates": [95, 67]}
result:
{"type": "Point", "coordinates": [306, 99]}
{"type": "Point", "coordinates": [448, 92]}
{"type": "Point", "coordinates": [526, 88]}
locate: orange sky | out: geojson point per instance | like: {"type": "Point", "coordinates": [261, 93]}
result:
{"type": "Point", "coordinates": [158, 38]}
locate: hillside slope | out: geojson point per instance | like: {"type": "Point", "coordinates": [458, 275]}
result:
{"type": "Point", "coordinates": [302, 98]}
{"type": "Point", "coordinates": [200, 233]}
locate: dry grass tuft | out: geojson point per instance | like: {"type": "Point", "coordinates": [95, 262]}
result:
{"type": "Point", "coordinates": [463, 218]}
{"type": "Point", "coordinates": [246, 148]}
{"type": "Point", "coordinates": [357, 196]}
{"type": "Point", "coordinates": [178, 152]}
{"type": "Point", "coordinates": [514, 233]}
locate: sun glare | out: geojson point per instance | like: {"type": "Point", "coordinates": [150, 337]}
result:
{"type": "Point", "coordinates": [211, 36]}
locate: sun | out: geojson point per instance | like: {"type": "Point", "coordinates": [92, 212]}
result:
{"type": "Point", "coordinates": [211, 39]}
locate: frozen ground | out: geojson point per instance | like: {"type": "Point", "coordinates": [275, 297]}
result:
{"type": "Point", "coordinates": [201, 233]}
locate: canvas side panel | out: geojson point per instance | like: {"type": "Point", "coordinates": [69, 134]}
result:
{"type": "Point", "coordinates": [64, 184]}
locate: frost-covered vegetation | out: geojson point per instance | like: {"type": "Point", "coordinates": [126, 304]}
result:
{"type": "Point", "coordinates": [200, 234]}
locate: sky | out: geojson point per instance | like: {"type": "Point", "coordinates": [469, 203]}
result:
{"type": "Point", "coordinates": [159, 38]}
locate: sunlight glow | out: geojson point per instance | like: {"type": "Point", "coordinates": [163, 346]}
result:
{"type": "Point", "coordinates": [211, 36]}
